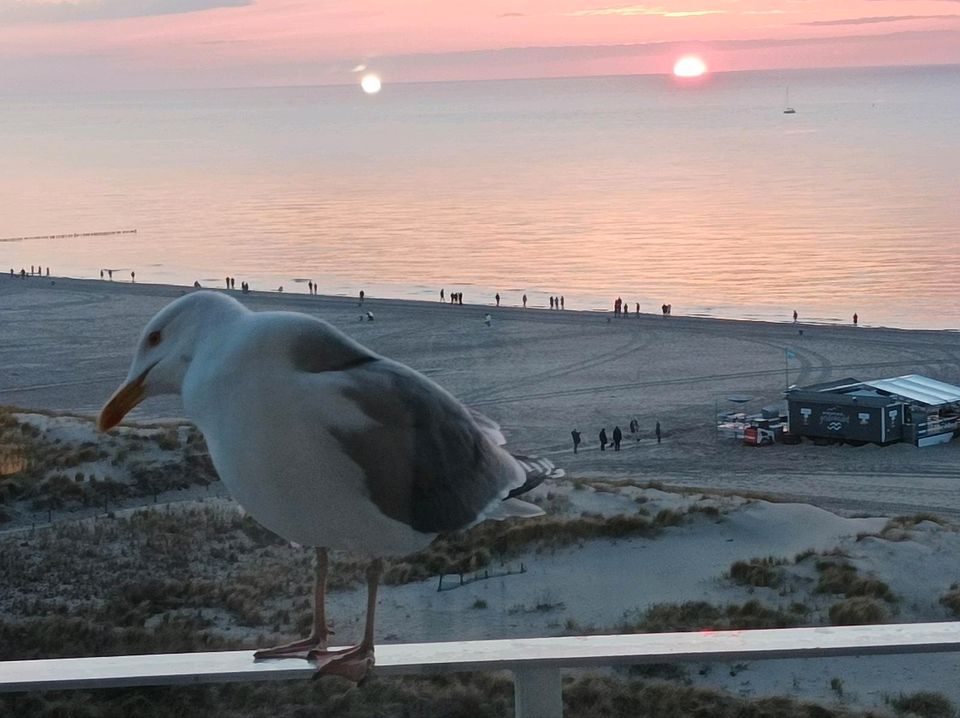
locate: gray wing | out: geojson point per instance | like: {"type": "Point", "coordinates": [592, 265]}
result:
{"type": "Point", "coordinates": [319, 347]}
{"type": "Point", "coordinates": [426, 460]}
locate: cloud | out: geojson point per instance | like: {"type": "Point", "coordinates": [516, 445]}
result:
{"type": "Point", "coordinates": [635, 10]}
{"type": "Point", "coordinates": [769, 12]}
{"type": "Point", "coordinates": [514, 57]}
{"type": "Point", "coordinates": [520, 14]}
{"type": "Point", "coordinates": [40, 11]}
{"type": "Point", "coordinates": [874, 20]}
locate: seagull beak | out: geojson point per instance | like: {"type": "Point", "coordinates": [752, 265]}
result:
{"type": "Point", "coordinates": [122, 401]}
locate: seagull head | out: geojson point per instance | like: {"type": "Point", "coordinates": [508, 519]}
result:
{"type": "Point", "coordinates": [166, 349]}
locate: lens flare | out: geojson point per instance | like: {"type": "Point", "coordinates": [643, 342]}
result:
{"type": "Point", "coordinates": [371, 84]}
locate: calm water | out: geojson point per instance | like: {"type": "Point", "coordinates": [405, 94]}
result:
{"type": "Point", "coordinates": [706, 196]}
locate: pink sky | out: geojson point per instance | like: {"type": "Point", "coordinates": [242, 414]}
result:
{"type": "Point", "coordinates": [106, 44]}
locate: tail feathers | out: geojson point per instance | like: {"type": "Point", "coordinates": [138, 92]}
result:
{"type": "Point", "coordinates": [512, 507]}
{"type": "Point", "coordinates": [536, 470]}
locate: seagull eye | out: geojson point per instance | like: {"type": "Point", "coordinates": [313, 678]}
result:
{"type": "Point", "coordinates": [153, 338]}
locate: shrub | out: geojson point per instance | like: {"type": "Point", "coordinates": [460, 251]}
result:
{"type": "Point", "coordinates": [857, 611]}
{"type": "Point", "coordinates": [841, 578]}
{"type": "Point", "coordinates": [927, 705]}
{"type": "Point", "coordinates": [908, 522]}
{"type": "Point", "coordinates": [169, 440]}
{"type": "Point", "coordinates": [760, 572]}
{"type": "Point", "coordinates": [834, 577]}
{"type": "Point", "coordinates": [699, 615]}
{"type": "Point", "coordinates": [871, 587]}
{"type": "Point", "coordinates": [952, 600]}
{"type": "Point", "coordinates": [667, 517]}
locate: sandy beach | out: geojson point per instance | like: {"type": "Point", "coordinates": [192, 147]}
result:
{"type": "Point", "coordinates": [540, 373]}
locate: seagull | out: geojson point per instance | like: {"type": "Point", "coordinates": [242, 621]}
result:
{"type": "Point", "coordinates": [326, 443]}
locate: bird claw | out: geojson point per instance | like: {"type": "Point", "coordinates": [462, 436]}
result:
{"type": "Point", "coordinates": [353, 664]}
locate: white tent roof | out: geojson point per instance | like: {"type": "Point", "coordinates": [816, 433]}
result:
{"type": "Point", "coordinates": [918, 388]}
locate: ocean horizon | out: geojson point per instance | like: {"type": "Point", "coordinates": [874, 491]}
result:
{"type": "Point", "coordinates": [701, 194]}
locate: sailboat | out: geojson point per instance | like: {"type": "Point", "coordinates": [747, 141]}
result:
{"type": "Point", "coordinates": [787, 110]}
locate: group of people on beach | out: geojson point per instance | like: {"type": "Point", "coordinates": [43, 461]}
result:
{"type": "Point", "coordinates": [622, 308]}
{"type": "Point", "coordinates": [457, 298]}
{"type": "Point", "coordinates": [34, 272]}
{"type": "Point", "coordinates": [617, 437]}
{"type": "Point", "coordinates": [109, 274]}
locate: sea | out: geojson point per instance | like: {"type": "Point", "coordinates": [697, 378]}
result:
{"type": "Point", "coordinates": [702, 194]}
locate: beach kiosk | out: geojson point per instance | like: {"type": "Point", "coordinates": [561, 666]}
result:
{"type": "Point", "coordinates": [911, 408]}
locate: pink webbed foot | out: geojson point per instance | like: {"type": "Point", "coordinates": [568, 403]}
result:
{"type": "Point", "coordinates": [354, 664]}
{"type": "Point", "coordinates": [295, 649]}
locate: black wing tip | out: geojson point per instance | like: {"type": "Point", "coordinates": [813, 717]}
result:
{"type": "Point", "coordinates": [537, 470]}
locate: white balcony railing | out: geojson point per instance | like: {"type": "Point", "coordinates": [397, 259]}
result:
{"type": "Point", "coordinates": [534, 662]}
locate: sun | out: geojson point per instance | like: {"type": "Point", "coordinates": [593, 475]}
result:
{"type": "Point", "coordinates": [370, 84]}
{"type": "Point", "coordinates": [689, 66]}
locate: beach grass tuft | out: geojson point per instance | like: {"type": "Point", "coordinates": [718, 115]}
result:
{"type": "Point", "coordinates": [758, 572]}
{"type": "Point", "coordinates": [857, 611]}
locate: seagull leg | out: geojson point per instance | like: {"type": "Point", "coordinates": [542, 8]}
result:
{"type": "Point", "coordinates": [317, 640]}
{"type": "Point", "coordinates": [355, 663]}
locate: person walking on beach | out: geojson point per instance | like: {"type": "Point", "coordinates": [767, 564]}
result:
{"type": "Point", "coordinates": [603, 439]}
{"type": "Point", "coordinates": [795, 315]}
{"type": "Point", "coordinates": [855, 319]}
{"type": "Point", "coordinates": [441, 296]}
{"type": "Point", "coordinates": [360, 303]}
{"type": "Point", "coordinates": [657, 432]}
{"type": "Point", "coordinates": [551, 302]}
{"type": "Point", "coordinates": [576, 440]}
{"type": "Point", "coordinates": [524, 301]}
{"type": "Point", "coordinates": [133, 276]}
{"type": "Point", "coordinates": [498, 298]}
{"type": "Point", "coordinates": [617, 438]}
{"type": "Point", "coordinates": [561, 302]}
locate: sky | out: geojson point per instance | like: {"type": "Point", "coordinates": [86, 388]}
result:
{"type": "Point", "coordinates": [132, 44]}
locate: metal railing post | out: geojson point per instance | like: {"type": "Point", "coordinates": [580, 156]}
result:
{"type": "Point", "coordinates": [537, 692]}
